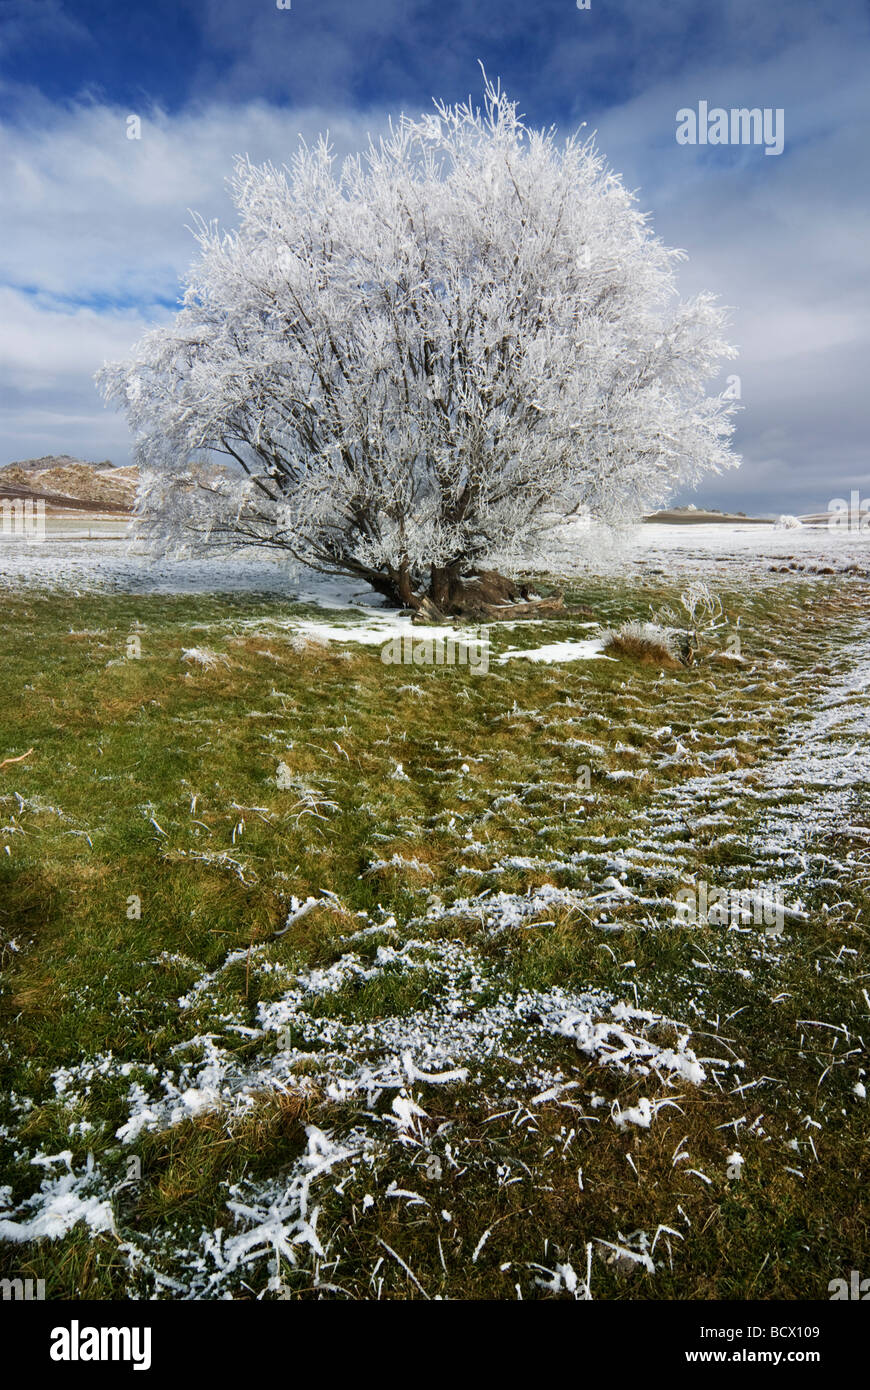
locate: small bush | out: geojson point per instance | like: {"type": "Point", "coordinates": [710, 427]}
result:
{"type": "Point", "coordinates": [645, 642]}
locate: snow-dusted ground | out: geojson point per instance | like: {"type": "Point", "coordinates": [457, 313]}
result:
{"type": "Point", "coordinates": [814, 786]}
{"type": "Point", "coordinates": [99, 555]}
{"type": "Point", "coordinates": [730, 550]}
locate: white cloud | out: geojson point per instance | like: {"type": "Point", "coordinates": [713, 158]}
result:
{"type": "Point", "coordinates": [94, 242]}
{"type": "Point", "coordinates": [782, 240]}
{"type": "Point", "coordinates": [39, 341]}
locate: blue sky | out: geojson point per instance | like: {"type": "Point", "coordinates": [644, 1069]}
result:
{"type": "Point", "coordinates": [93, 235]}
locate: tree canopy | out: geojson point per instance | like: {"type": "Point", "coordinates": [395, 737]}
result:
{"type": "Point", "coordinates": [424, 358]}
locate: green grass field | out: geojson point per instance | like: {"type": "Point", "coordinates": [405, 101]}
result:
{"type": "Point", "coordinates": [148, 855]}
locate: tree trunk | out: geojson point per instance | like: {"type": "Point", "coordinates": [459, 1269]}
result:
{"type": "Point", "coordinates": [445, 585]}
{"type": "Point", "coordinates": [483, 594]}
{"type": "Point", "coordinates": [479, 595]}
{"type": "Point", "coordinates": [407, 597]}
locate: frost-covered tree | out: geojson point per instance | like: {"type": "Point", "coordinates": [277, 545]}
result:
{"type": "Point", "coordinates": [421, 360]}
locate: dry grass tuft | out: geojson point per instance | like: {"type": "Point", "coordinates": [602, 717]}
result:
{"type": "Point", "coordinates": [645, 642]}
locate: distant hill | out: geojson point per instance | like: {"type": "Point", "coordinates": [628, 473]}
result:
{"type": "Point", "coordinates": [54, 461]}
{"type": "Point", "coordinates": [693, 515]}
{"type": "Point", "coordinates": [68, 484]}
